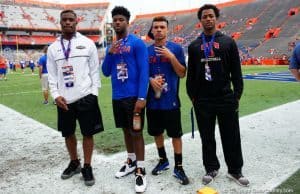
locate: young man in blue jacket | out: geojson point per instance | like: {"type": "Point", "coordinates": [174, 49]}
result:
{"type": "Point", "coordinates": [126, 62]}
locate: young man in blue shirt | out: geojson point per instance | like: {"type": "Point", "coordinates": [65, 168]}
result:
{"type": "Point", "coordinates": [167, 66]}
{"type": "Point", "coordinates": [126, 61]}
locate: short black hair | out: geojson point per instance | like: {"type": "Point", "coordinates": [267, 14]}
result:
{"type": "Point", "coordinates": [208, 6]}
{"type": "Point", "coordinates": [68, 11]}
{"type": "Point", "coordinates": [157, 19]}
{"type": "Point", "coordinates": [120, 10]}
{"type": "Point", "coordinates": [160, 19]}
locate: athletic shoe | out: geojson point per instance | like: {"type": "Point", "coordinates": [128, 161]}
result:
{"type": "Point", "coordinates": [127, 169]}
{"type": "Point", "coordinates": [180, 175]}
{"type": "Point", "coordinates": [209, 177]}
{"type": "Point", "coordinates": [73, 168]}
{"type": "Point", "coordinates": [239, 179]}
{"type": "Point", "coordinates": [140, 180]}
{"type": "Point", "coordinates": [45, 102]}
{"type": "Point", "coordinates": [87, 174]}
{"type": "Point", "coordinates": [160, 167]}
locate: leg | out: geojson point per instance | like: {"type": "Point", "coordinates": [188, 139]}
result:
{"type": "Point", "coordinates": [129, 142]}
{"type": "Point", "coordinates": [45, 93]}
{"type": "Point", "coordinates": [139, 146]}
{"type": "Point", "coordinates": [231, 142]}
{"type": "Point", "coordinates": [159, 141]}
{"type": "Point", "coordinates": [88, 145]}
{"type": "Point", "coordinates": [71, 143]}
{"type": "Point", "coordinates": [74, 166]}
{"type": "Point", "coordinates": [177, 145]}
{"type": "Point", "coordinates": [206, 125]}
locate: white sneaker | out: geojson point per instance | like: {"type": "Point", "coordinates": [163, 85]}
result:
{"type": "Point", "coordinates": [140, 180]}
{"type": "Point", "coordinates": [127, 169]}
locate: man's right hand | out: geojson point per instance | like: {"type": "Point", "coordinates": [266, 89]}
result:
{"type": "Point", "coordinates": [115, 47]}
{"type": "Point", "coordinates": [157, 83]}
{"type": "Point", "coordinates": [62, 103]}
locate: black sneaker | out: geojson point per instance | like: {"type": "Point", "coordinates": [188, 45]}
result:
{"type": "Point", "coordinates": [87, 174]}
{"type": "Point", "coordinates": [209, 177]}
{"type": "Point", "coordinates": [239, 179]}
{"type": "Point", "coordinates": [161, 166]}
{"type": "Point", "coordinates": [140, 180]}
{"type": "Point", "coordinates": [180, 175]}
{"type": "Point", "coordinates": [73, 168]}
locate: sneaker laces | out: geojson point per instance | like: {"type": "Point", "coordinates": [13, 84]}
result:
{"type": "Point", "coordinates": [161, 162]}
{"type": "Point", "coordinates": [126, 165]}
{"type": "Point", "coordinates": [87, 173]}
{"type": "Point", "coordinates": [72, 166]}
{"type": "Point", "coordinates": [139, 179]}
{"type": "Point", "coordinates": [211, 174]}
{"type": "Point", "coordinates": [180, 171]}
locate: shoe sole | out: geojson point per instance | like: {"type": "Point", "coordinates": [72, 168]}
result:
{"type": "Point", "coordinates": [89, 183]}
{"type": "Point", "coordinates": [125, 174]}
{"type": "Point", "coordinates": [140, 191]}
{"type": "Point", "coordinates": [64, 177]}
{"type": "Point", "coordinates": [235, 180]}
{"type": "Point", "coordinates": [161, 171]}
{"type": "Point", "coordinates": [211, 180]}
{"type": "Point", "coordinates": [180, 181]}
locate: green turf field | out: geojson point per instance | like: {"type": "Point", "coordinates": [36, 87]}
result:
{"type": "Point", "coordinates": [22, 92]}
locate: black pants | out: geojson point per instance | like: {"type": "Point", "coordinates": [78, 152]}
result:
{"type": "Point", "coordinates": [228, 120]}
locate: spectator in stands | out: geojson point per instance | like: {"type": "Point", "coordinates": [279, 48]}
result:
{"type": "Point", "coordinates": [126, 61]}
{"type": "Point", "coordinates": [213, 65]}
{"type": "Point", "coordinates": [73, 73]}
{"type": "Point", "coordinates": [43, 74]}
{"type": "Point", "coordinates": [167, 65]}
{"type": "Point", "coordinates": [295, 62]}
{"type": "Point", "coordinates": [3, 68]}
{"type": "Point", "coordinates": [31, 65]}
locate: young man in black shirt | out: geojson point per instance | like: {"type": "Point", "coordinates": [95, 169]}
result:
{"type": "Point", "coordinates": [213, 65]}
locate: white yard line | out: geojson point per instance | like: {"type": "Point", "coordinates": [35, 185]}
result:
{"type": "Point", "coordinates": [17, 93]}
{"type": "Point", "coordinates": [33, 157]}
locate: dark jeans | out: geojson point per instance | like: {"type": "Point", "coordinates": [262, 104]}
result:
{"type": "Point", "coordinates": [228, 120]}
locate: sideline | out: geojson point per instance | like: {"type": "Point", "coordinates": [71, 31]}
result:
{"type": "Point", "coordinates": [33, 157]}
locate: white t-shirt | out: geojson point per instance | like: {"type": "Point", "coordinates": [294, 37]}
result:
{"type": "Point", "coordinates": [79, 75]}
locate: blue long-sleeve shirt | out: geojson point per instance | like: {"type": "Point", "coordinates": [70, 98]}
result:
{"type": "Point", "coordinates": [129, 69]}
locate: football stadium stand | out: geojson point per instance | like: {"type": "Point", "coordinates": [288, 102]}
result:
{"type": "Point", "coordinates": [265, 30]}
{"type": "Point", "coordinates": [28, 25]}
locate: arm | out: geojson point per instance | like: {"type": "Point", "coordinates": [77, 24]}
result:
{"type": "Point", "coordinates": [108, 60]}
{"type": "Point", "coordinates": [107, 63]}
{"type": "Point", "coordinates": [94, 70]}
{"type": "Point", "coordinates": [294, 65]}
{"type": "Point", "coordinates": [40, 68]}
{"type": "Point", "coordinates": [53, 81]}
{"type": "Point", "coordinates": [40, 71]}
{"type": "Point", "coordinates": [296, 73]}
{"type": "Point", "coordinates": [141, 55]}
{"type": "Point", "coordinates": [190, 79]}
{"type": "Point", "coordinates": [236, 71]}
{"type": "Point", "coordinates": [178, 64]}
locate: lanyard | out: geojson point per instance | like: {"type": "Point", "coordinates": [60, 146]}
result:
{"type": "Point", "coordinates": [207, 48]}
{"type": "Point", "coordinates": [122, 44]}
{"type": "Point", "coordinates": [66, 52]}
